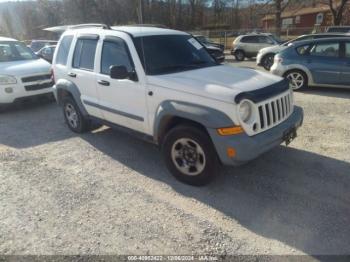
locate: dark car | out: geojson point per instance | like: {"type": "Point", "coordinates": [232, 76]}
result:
{"type": "Point", "coordinates": [338, 29]}
{"type": "Point", "coordinates": [214, 49]}
{"type": "Point", "coordinates": [207, 43]}
{"type": "Point", "coordinates": [36, 45]}
{"type": "Point", "coordinates": [46, 53]}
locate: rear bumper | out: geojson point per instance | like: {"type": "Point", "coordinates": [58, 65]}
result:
{"type": "Point", "coordinates": [248, 148]}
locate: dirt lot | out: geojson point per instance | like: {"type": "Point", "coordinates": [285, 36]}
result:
{"type": "Point", "coordinates": [108, 193]}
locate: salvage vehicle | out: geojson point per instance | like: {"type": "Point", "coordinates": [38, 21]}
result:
{"type": "Point", "coordinates": [265, 57]}
{"type": "Point", "coordinates": [23, 75]}
{"type": "Point", "coordinates": [322, 62]}
{"type": "Point", "coordinates": [163, 85]}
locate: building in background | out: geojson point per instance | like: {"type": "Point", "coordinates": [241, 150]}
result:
{"type": "Point", "coordinates": [303, 19]}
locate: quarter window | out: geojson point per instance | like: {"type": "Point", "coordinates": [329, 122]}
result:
{"type": "Point", "coordinates": [325, 50]}
{"type": "Point", "coordinates": [302, 50]}
{"type": "Point", "coordinates": [115, 52]}
{"type": "Point", "coordinates": [63, 50]}
{"type": "Point", "coordinates": [84, 54]}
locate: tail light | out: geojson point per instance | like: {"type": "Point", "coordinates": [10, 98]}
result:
{"type": "Point", "coordinates": [53, 76]}
{"type": "Point", "coordinates": [278, 60]}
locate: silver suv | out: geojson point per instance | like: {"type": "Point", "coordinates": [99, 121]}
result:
{"type": "Point", "coordinates": [249, 45]}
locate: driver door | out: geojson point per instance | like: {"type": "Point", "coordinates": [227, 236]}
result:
{"type": "Point", "coordinates": [121, 101]}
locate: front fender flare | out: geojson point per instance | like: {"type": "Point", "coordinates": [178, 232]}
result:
{"type": "Point", "coordinates": [206, 116]}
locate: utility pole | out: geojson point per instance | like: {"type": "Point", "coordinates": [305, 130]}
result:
{"type": "Point", "coordinates": [140, 12]}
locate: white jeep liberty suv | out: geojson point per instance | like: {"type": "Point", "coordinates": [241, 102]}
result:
{"type": "Point", "coordinates": [163, 85]}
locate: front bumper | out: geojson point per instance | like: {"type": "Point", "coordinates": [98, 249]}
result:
{"type": "Point", "coordinates": [19, 92]}
{"type": "Point", "coordinates": [248, 148]}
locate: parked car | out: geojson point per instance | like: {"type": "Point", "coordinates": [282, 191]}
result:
{"type": "Point", "coordinates": [36, 45]}
{"type": "Point", "coordinates": [207, 43]}
{"type": "Point", "coordinates": [249, 45]}
{"type": "Point", "coordinates": [214, 49]}
{"type": "Point", "coordinates": [322, 62]}
{"type": "Point", "coordinates": [338, 29]}
{"type": "Point", "coordinates": [164, 86]}
{"type": "Point", "coordinates": [46, 53]}
{"type": "Point", "coordinates": [22, 73]}
{"type": "Point", "coordinates": [266, 55]}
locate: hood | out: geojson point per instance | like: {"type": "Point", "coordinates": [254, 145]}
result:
{"type": "Point", "coordinates": [222, 82]}
{"type": "Point", "coordinates": [25, 67]}
{"type": "Point", "coordinates": [273, 49]}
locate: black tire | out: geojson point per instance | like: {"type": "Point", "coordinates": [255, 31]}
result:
{"type": "Point", "coordinates": [240, 55]}
{"type": "Point", "coordinates": [82, 124]}
{"type": "Point", "coordinates": [302, 74]}
{"type": "Point", "coordinates": [210, 162]}
{"type": "Point", "coordinates": [267, 61]}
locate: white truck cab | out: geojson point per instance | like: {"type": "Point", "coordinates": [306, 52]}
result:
{"type": "Point", "coordinates": [22, 73]}
{"type": "Point", "coordinates": [163, 85]}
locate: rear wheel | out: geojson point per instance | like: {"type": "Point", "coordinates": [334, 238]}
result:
{"type": "Point", "coordinates": [73, 116]}
{"type": "Point", "coordinates": [297, 79]}
{"type": "Point", "coordinates": [267, 61]}
{"type": "Point", "coordinates": [239, 55]}
{"type": "Point", "coordinates": [190, 155]}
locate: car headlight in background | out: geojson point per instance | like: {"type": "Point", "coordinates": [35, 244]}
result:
{"type": "Point", "coordinates": [245, 111]}
{"type": "Point", "coordinates": [7, 80]}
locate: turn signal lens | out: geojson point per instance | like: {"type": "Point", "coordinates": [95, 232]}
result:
{"type": "Point", "coordinates": [231, 152]}
{"type": "Point", "coordinates": [229, 131]}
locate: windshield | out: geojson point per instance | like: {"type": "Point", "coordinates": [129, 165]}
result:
{"type": "Point", "coordinates": [15, 51]}
{"type": "Point", "coordinates": [165, 54]}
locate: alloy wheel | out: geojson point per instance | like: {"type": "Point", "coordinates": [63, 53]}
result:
{"type": "Point", "coordinates": [188, 157]}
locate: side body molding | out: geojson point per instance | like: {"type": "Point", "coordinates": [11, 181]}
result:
{"type": "Point", "coordinates": [62, 87]}
{"type": "Point", "coordinates": [206, 116]}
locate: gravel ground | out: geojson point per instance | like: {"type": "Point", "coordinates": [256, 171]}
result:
{"type": "Point", "coordinates": [106, 192]}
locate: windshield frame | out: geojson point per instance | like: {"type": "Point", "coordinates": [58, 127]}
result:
{"type": "Point", "coordinates": [139, 43]}
{"type": "Point", "coordinates": [15, 50]}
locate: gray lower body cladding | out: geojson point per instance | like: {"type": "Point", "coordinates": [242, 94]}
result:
{"type": "Point", "coordinates": [250, 147]}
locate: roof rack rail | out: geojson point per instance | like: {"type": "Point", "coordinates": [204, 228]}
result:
{"type": "Point", "coordinates": [61, 29]}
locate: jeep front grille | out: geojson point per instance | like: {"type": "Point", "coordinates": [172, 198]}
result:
{"type": "Point", "coordinates": [274, 111]}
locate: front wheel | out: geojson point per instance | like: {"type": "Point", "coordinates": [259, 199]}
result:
{"type": "Point", "coordinates": [190, 155]}
{"type": "Point", "coordinates": [297, 79]}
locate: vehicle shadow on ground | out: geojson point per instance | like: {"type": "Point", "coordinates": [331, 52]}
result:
{"type": "Point", "coordinates": [328, 92]}
{"type": "Point", "coordinates": [294, 196]}
{"type": "Point", "coordinates": [32, 122]}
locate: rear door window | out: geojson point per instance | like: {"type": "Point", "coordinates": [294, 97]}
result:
{"type": "Point", "coordinates": [84, 54]}
{"type": "Point", "coordinates": [325, 50]}
{"type": "Point", "coordinates": [63, 50]}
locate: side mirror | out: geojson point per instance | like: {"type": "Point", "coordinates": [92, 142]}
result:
{"type": "Point", "coordinates": [119, 72]}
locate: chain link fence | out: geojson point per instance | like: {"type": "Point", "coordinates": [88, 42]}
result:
{"type": "Point", "coordinates": [228, 36]}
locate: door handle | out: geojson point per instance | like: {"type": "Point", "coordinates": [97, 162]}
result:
{"type": "Point", "coordinates": [72, 74]}
{"type": "Point", "coordinates": [103, 83]}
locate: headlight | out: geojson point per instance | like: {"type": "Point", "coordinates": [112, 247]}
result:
{"type": "Point", "coordinates": [7, 80]}
{"type": "Point", "coordinates": [245, 111]}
